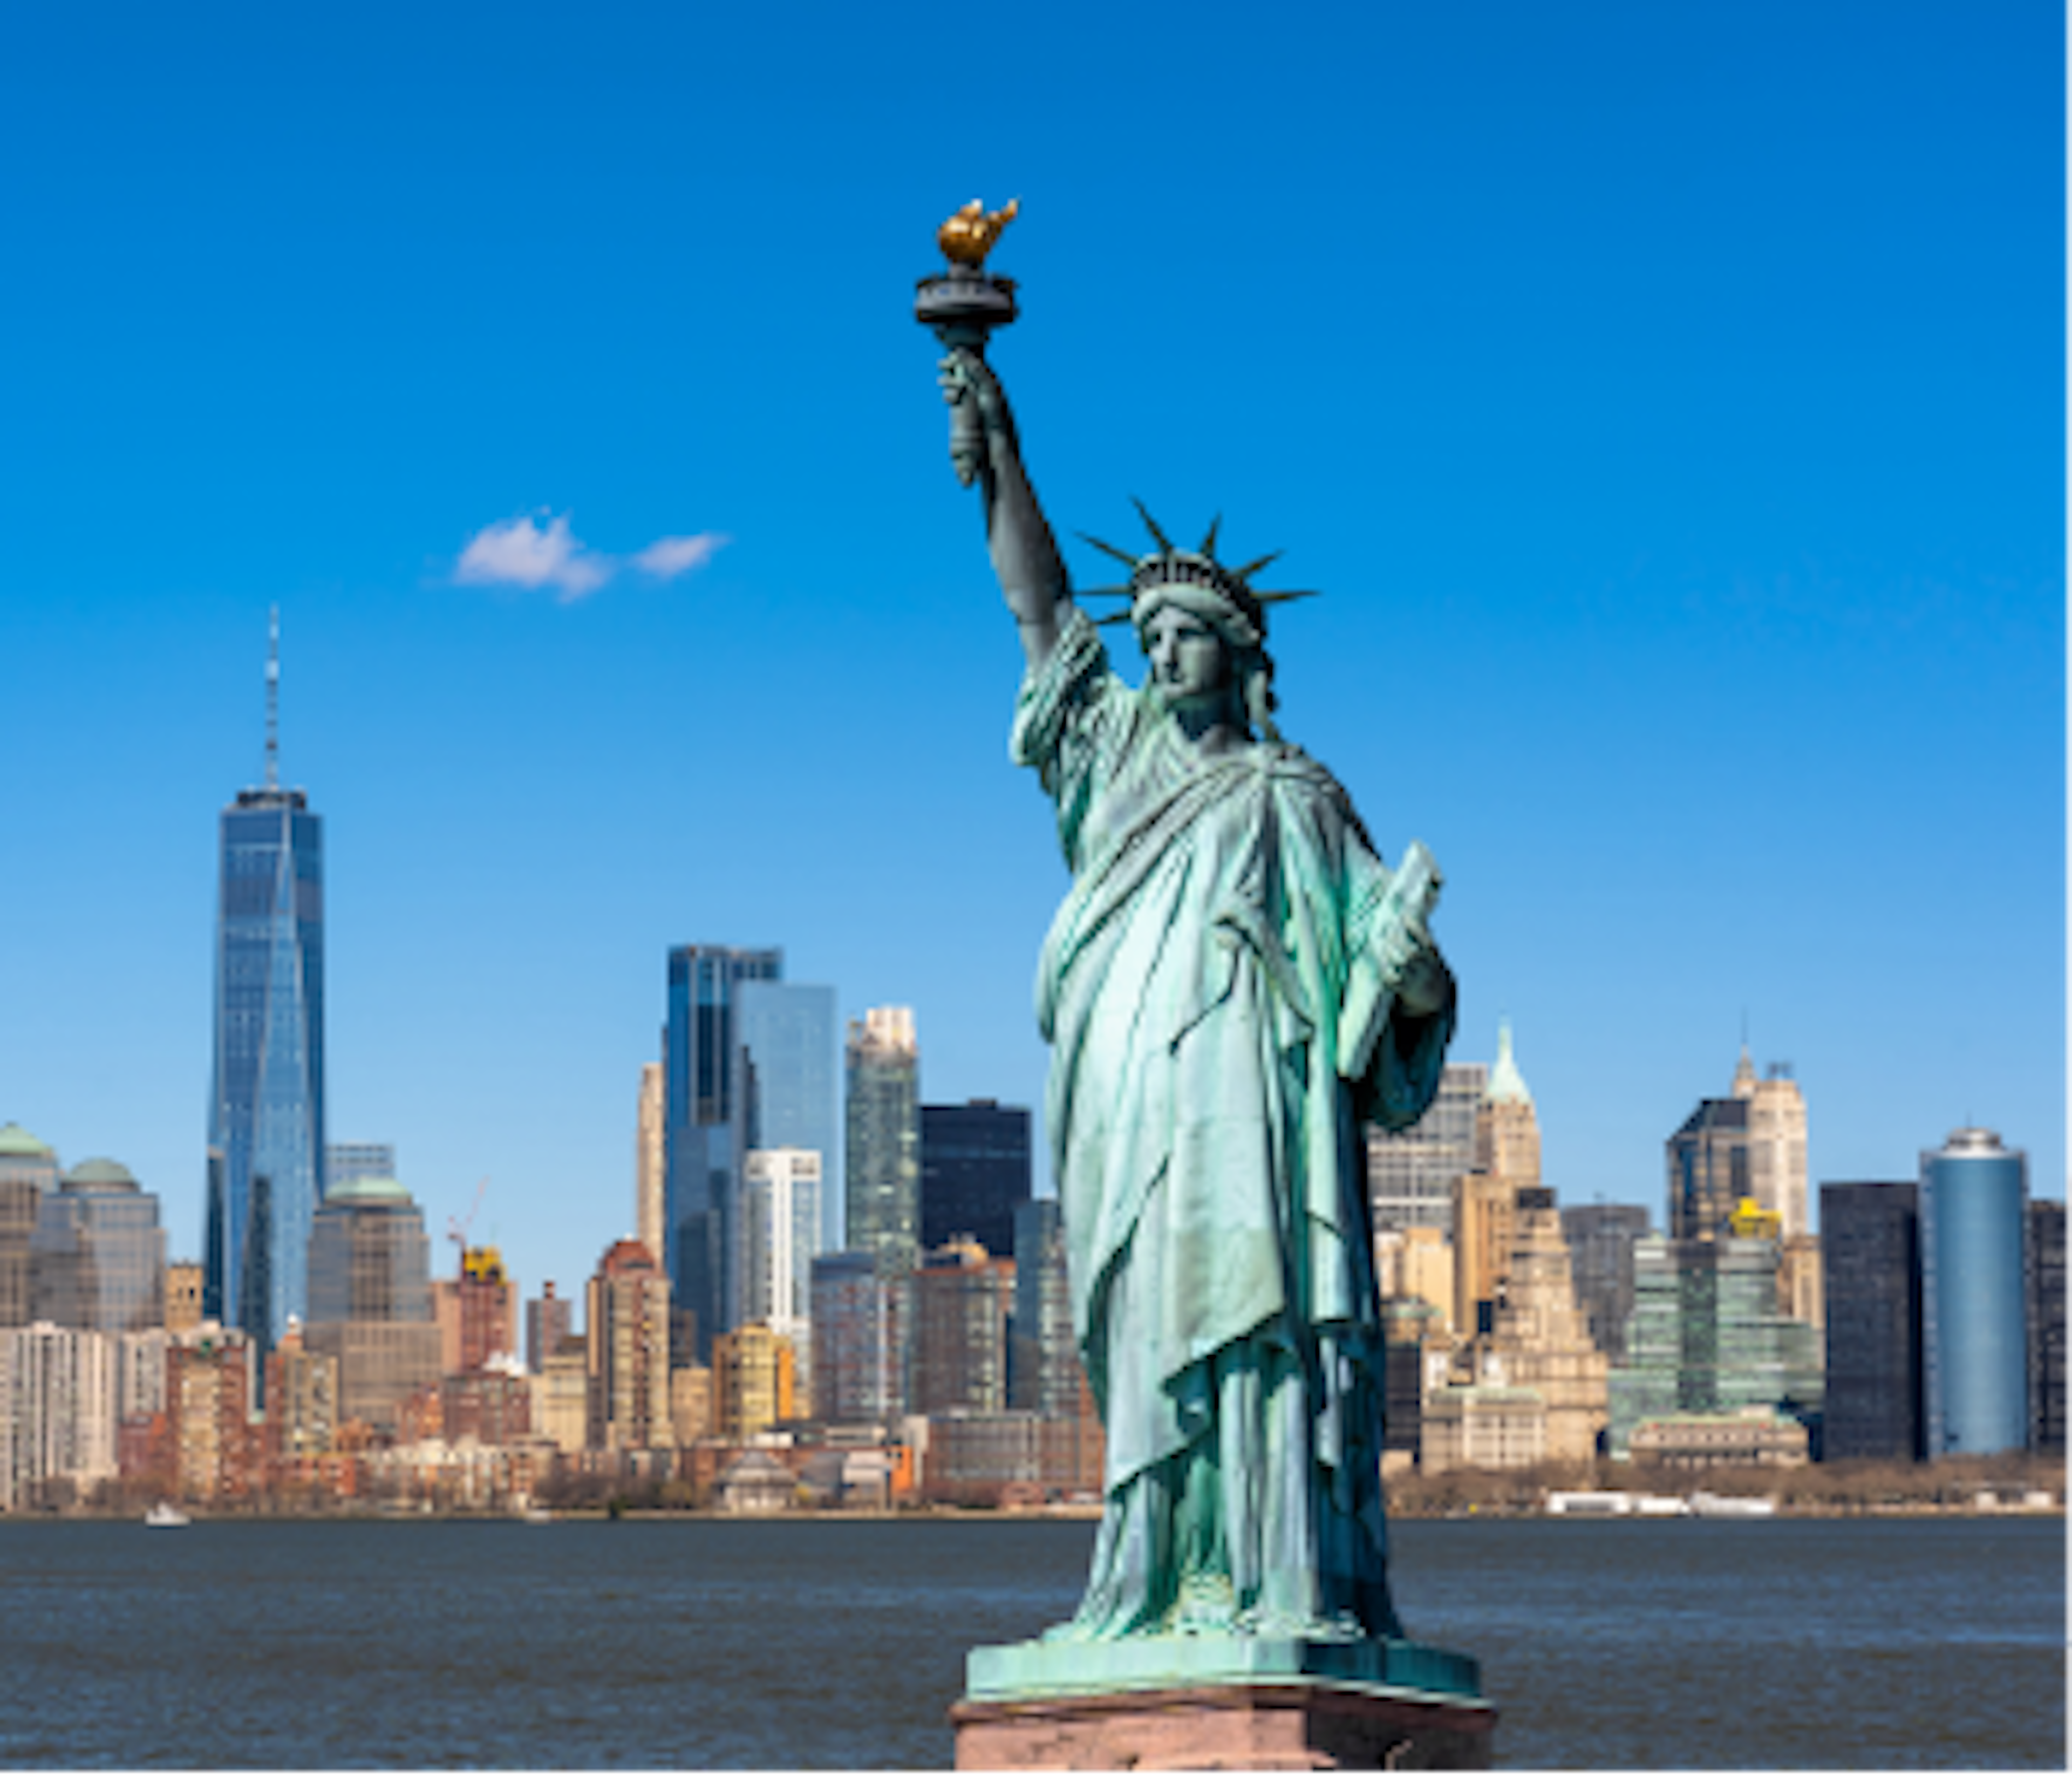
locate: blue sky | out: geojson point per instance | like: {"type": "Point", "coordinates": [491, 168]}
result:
{"type": "Point", "coordinates": [1669, 401]}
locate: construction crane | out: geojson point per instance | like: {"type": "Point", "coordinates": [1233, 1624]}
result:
{"type": "Point", "coordinates": [457, 1227]}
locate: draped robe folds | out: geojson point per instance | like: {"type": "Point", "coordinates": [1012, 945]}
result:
{"type": "Point", "coordinates": [1217, 989]}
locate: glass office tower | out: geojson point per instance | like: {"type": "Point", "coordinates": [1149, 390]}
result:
{"type": "Point", "coordinates": [99, 1254]}
{"type": "Point", "coordinates": [266, 1101]}
{"type": "Point", "coordinates": [1974, 1333]}
{"type": "Point", "coordinates": [790, 1037]}
{"type": "Point", "coordinates": [706, 1136]}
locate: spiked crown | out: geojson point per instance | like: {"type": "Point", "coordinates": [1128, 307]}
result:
{"type": "Point", "coordinates": [1168, 566]}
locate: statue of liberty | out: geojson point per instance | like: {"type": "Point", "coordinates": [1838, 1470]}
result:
{"type": "Point", "coordinates": [1234, 987]}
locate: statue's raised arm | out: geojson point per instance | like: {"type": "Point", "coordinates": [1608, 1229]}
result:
{"type": "Point", "coordinates": [984, 448]}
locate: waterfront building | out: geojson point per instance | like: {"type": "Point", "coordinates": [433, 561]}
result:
{"type": "Point", "coordinates": [140, 1374]}
{"type": "Point", "coordinates": [986, 1458]}
{"type": "Point", "coordinates": [1044, 1373]}
{"type": "Point", "coordinates": [98, 1256]}
{"type": "Point", "coordinates": [210, 1387]}
{"type": "Point", "coordinates": [859, 1321]}
{"type": "Point", "coordinates": [345, 1161]}
{"type": "Point", "coordinates": [1601, 1238]}
{"type": "Point", "coordinates": [560, 1395]}
{"type": "Point", "coordinates": [883, 1185]}
{"type": "Point", "coordinates": [789, 1040]}
{"type": "Point", "coordinates": [1411, 1172]}
{"type": "Point", "coordinates": [628, 1350]}
{"type": "Point", "coordinates": [183, 1295]}
{"type": "Point", "coordinates": [2046, 1326]}
{"type": "Point", "coordinates": [1871, 1254]}
{"type": "Point", "coordinates": [650, 1167]}
{"type": "Point", "coordinates": [975, 1172]}
{"type": "Point", "coordinates": [1485, 1200]}
{"type": "Point", "coordinates": [690, 1404]}
{"type": "Point", "coordinates": [1750, 1438]}
{"type": "Point", "coordinates": [1483, 1425]}
{"type": "Point", "coordinates": [57, 1414]}
{"type": "Point", "coordinates": [1750, 1145]}
{"type": "Point", "coordinates": [492, 1405]}
{"type": "Point", "coordinates": [28, 1170]}
{"type": "Point", "coordinates": [1705, 1336]}
{"type": "Point", "coordinates": [266, 1096]}
{"type": "Point", "coordinates": [753, 1381]}
{"type": "Point", "coordinates": [755, 1483]}
{"type": "Point", "coordinates": [301, 1399]}
{"type": "Point", "coordinates": [780, 1224]}
{"type": "Point", "coordinates": [1538, 1339]}
{"type": "Point", "coordinates": [705, 1132]}
{"type": "Point", "coordinates": [477, 1312]}
{"type": "Point", "coordinates": [962, 1298]}
{"type": "Point", "coordinates": [370, 1300]}
{"type": "Point", "coordinates": [1974, 1336]}
{"type": "Point", "coordinates": [550, 1318]}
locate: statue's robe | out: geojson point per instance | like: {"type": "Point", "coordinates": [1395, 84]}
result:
{"type": "Point", "coordinates": [1217, 990]}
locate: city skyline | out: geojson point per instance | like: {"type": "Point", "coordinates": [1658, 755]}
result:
{"type": "Point", "coordinates": [1714, 467]}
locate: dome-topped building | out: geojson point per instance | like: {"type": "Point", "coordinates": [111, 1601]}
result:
{"type": "Point", "coordinates": [98, 1255]}
{"type": "Point", "coordinates": [28, 1169]}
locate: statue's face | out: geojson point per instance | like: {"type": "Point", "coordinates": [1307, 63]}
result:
{"type": "Point", "coordinates": [1189, 665]}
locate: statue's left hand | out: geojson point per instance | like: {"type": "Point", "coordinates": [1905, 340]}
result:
{"type": "Point", "coordinates": [1423, 982]}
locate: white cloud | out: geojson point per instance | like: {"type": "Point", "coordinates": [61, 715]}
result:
{"type": "Point", "coordinates": [520, 552]}
{"type": "Point", "coordinates": [667, 556]}
{"type": "Point", "coordinates": [517, 553]}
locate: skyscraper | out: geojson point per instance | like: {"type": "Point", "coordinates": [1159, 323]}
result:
{"type": "Point", "coordinates": [1974, 1335]}
{"type": "Point", "coordinates": [788, 1034]}
{"type": "Point", "coordinates": [705, 1134]}
{"type": "Point", "coordinates": [99, 1254]}
{"type": "Point", "coordinates": [1411, 1173]}
{"type": "Point", "coordinates": [780, 1226]}
{"type": "Point", "coordinates": [1751, 1144]}
{"type": "Point", "coordinates": [2046, 1326]}
{"type": "Point", "coordinates": [346, 1161]}
{"type": "Point", "coordinates": [1601, 1240]}
{"type": "Point", "coordinates": [975, 1173]}
{"type": "Point", "coordinates": [28, 1169]}
{"type": "Point", "coordinates": [1507, 1161]}
{"type": "Point", "coordinates": [884, 1159]}
{"type": "Point", "coordinates": [705, 1123]}
{"type": "Point", "coordinates": [649, 1204]}
{"type": "Point", "coordinates": [371, 1298]}
{"type": "Point", "coordinates": [1870, 1236]}
{"type": "Point", "coordinates": [266, 1101]}
{"type": "Point", "coordinates": [628, 1350]}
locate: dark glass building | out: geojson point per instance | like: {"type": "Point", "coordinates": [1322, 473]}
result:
{"type": "Point", "coordinates": [2046, 1326]}
{"type": "Point", "coordinates": [1601, 1238]}
{"type": "Point", "coordinates": [1870, 1252]}
{"type": "Point", "coordinates": [266, 1099]}
{"type": "Point", "coordinates": [704, 1135]}
{"type": "Point", "coordinates": [975, 1173]}
{"type": "Point", "coordinates": [1975, 1319]}
{"type": "Point", "coordinates": [1708, 1169]}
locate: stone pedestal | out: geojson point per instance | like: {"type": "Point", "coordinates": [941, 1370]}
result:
{"type": "Point", "coordinates": [1217, 1703]}
{"type": "Point", "coordinates": [1226, 1727]}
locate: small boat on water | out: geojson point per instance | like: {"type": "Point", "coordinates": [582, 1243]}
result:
{"type": "Point", "coordinates": [165, 1515]}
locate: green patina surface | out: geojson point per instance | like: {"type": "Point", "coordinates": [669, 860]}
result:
{"type": "Point", "coordinates": [1052, 1668]}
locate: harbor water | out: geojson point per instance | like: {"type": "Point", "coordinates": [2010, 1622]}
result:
{"type": "Point", "coordinates": [1892, 1643]}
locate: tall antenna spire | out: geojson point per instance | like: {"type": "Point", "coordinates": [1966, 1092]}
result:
{"type": "Point", "coordinates": [273, 698]}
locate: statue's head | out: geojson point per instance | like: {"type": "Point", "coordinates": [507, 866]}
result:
{"type": "Point", "coordinates": [1202, 624]}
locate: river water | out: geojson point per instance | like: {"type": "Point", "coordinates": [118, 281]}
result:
{"type": "Point", "coordinates": [1884, 1643]}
